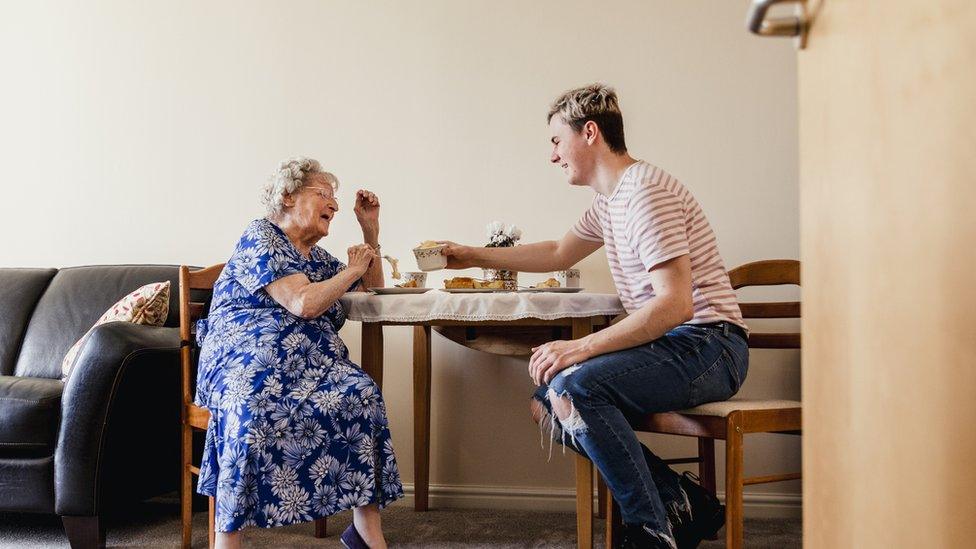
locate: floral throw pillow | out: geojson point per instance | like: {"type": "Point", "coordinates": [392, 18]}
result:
{"type": "Point", "coordinates": [148, 305]}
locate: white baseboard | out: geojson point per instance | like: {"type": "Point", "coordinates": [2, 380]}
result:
{"type": "Point", "coordinates": [756, 505]}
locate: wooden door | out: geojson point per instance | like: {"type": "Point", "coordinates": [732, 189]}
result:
{"type": "Point", "coordinates": [888, 247]}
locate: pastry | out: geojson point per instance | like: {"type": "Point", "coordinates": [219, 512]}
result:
{"type": "Point", "coordinates": [459, 282]}
{"type": "Point", "coordinates": [548, 283]}
{"type": "Point", "coordinates": [490, 285]}
{"type": "Point", "coordinates": [407, 284]}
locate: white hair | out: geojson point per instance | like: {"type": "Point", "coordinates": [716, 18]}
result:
{"type": "Point", "coordinates": [290, 177]}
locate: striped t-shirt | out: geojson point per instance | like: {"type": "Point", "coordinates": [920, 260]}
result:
{"type": "Point", "coordinates": [648, 219]}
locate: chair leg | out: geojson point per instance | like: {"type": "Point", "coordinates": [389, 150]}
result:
{"type": "Point", "coordinates": [84, 532]}
{"type": "Point", "coordinates": [320, 528]}
{"type": "Point", "coordinates": [212, 523]}
{"type": "Point", "coordinates": [601, 496]}
{"type": "Point", "coordinates": [584, 503]}
{"type": "Point", "coordinates": [613, 522]}
{"type": "Point", "coordinates": [733, 482]}
{"type": "Point", "coordinates": [706, 467]}
{"type": "Point", "coordinates": [186, 487]}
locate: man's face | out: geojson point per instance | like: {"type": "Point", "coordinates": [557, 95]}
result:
{"type": "Point", "coordinates": [570, 151]}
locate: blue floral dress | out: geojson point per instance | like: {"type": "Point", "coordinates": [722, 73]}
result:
{"type": "Point", "coordinates": [297, 431]}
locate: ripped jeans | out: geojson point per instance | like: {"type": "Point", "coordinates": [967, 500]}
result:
{"type": "Point", "coordinates": [688, 366]}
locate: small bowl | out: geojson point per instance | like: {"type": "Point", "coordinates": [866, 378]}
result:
{"type": "Point", "coordinates": [431, 259]}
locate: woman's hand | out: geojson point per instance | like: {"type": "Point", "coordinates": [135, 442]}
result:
{"type": "Point", "coordinates": [458, 256]}
{"type": "Point", "coordinates": [551, 358]}
{"type": "Point", "coordinates": [360, 256]}
{"type": "Point", "coordinates": [368, 212]}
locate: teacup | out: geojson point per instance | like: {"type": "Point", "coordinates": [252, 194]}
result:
{"type": "Point", "coordinates": [432, 258]}
{"type": "Point", "coordinates": [420, 278]}
{"type": "Point", "coordinates": [570, 278]}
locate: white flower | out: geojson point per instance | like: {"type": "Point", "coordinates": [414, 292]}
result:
{"type": "Point", "coordinates": [513, 233]}
{"type": "Point", "coordinates": [495, 227]}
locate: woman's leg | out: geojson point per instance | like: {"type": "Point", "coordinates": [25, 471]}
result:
{"type": "Point", "coordinates": [367, 522]}
{"type": "Point", "coordinates": [228, 540]}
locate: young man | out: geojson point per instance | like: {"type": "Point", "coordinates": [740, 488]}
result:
{"type": "Point", "coordinates": [683, 342]}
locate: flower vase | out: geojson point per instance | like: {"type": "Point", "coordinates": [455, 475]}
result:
{"type": "Point", "coordinates": [509, 278]}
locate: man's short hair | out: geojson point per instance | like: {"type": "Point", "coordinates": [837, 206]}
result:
{"type": "Point", "coordinates": [595, 102]}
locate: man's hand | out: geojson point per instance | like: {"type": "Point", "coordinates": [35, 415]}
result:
{"type": "Point", "coordinates": [551, 358]}
{"type": "Point", "coordinates": [458, 256]}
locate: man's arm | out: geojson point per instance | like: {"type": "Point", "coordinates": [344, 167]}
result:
{"type": "Point", "coordinates": [671, 305]}
{"type": "Point", "coordinates": [538, 257]}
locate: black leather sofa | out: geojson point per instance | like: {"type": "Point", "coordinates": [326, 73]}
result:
{"type": "Point", "coordinates": [110, 434]}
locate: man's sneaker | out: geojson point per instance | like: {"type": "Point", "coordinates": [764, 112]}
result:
{"type": "Point", "coordinates": [707, 515]}
{"type": "Point", "coordinates": [636, 536]}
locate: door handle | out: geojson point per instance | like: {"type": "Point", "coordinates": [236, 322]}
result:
{"type": "Point", "coordinates": [759, 24]}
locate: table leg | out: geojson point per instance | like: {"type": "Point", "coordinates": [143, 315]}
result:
{"type": "Point", "coordinates": [421, 415]}
{"type": "Point", "coordinates": [372, 345]}
{"type": "Point", "coordinates": [583, 327]}
{"type": "Point", "coordinates": [584, 503]}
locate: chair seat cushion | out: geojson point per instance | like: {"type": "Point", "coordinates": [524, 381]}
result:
{"type": "Point", "coordinates": [30, 409]}
{"type": "Point", "coordinates": [726, 407]}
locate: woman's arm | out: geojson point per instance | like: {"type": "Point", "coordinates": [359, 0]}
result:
{"type": "Point", "coordinates": [368, 214]}
{"type": "Point", "coordinates": [307, 299]}
{"type": "Point", "coordinates": [304, 298]}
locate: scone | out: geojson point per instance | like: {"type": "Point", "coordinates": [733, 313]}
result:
{"type": "Point", "coordinates": [407, 284]}
{"type": "Point", "coordinates": [548, 283]}
{"type": "Point", "coordinates": [459, 282]}
{"type": "Point", "coordinates": [490, 285]}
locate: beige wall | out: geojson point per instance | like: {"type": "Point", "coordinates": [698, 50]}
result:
{"type": "Point", "coordinates": [123, 122]}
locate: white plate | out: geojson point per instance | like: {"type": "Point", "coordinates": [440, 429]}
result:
{"type": "Point", "coordinates": [553, 290]}
{"type": "Point", "coordinates": [474, 290]}
{"type": "Point", "coordinates": [395, 290]}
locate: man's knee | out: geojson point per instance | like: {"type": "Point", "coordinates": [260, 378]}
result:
{"type": "Point", "coordinates": [537, 410]}
{"type": "Point", "coordinates": [561, 405]}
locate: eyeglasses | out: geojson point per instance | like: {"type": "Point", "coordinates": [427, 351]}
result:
{"type": "Point", "coordinates": [323, 193]}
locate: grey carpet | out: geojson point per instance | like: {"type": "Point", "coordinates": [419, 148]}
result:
{"type": "Point", "coordinates": [156, 524]}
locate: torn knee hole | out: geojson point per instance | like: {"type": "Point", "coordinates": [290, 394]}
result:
{"type": "Point", "coordinates": [567, 414]}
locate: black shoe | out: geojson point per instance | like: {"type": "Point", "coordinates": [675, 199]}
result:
{"type": "Point", "coordinates": [706, 518]}
{"type": "Point", "coordinates": [636, 536]}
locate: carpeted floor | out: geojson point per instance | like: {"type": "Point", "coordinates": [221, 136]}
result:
{"type": "Point", "coordinates": [157, 525]}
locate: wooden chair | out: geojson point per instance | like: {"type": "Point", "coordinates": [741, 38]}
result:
{"type": "Point", "coordinates": [195, 284]}
{"type": "Point", "coordinates": [727, 421]}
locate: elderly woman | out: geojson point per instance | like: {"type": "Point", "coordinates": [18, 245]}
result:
{"type": "Point", "coordinates": [297, 430]}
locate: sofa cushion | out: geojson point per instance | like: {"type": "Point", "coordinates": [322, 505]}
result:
{"type": "Point", "coordinates": [73, 301]}
{"type": "Point", "coordinates": [30, 411]}
{"type": "Point", "coordinates": [147, 305]}
{"type": "Point", "coordinates": [19, 291]}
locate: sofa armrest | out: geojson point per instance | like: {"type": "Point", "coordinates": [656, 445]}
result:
{"type": "Point", "coordinates": [114, 351]}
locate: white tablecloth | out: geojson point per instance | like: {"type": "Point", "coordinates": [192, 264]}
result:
{"type": "Point", "coordinates": [439, 305]}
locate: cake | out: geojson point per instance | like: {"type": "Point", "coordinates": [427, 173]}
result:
{"type": "Point", "coordinates": [459, 282]}
{"type": "Point", "coordinates": [548, 283]}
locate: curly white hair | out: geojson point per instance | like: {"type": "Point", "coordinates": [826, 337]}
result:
{"type": "Point", "coordinates": [292, 175]}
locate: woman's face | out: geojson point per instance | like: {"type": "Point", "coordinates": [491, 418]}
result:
{"type": "Point", "coordinates": [315, 206]}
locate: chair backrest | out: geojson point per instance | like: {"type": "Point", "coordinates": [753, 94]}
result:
{"type": "Point", "coordinates": [196, 289]}
{"type": "Point", "coordinates": [773, 272]}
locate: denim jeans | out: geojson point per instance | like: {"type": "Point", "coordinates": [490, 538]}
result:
{"type": "Point", "coordinates": [688, 366]}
